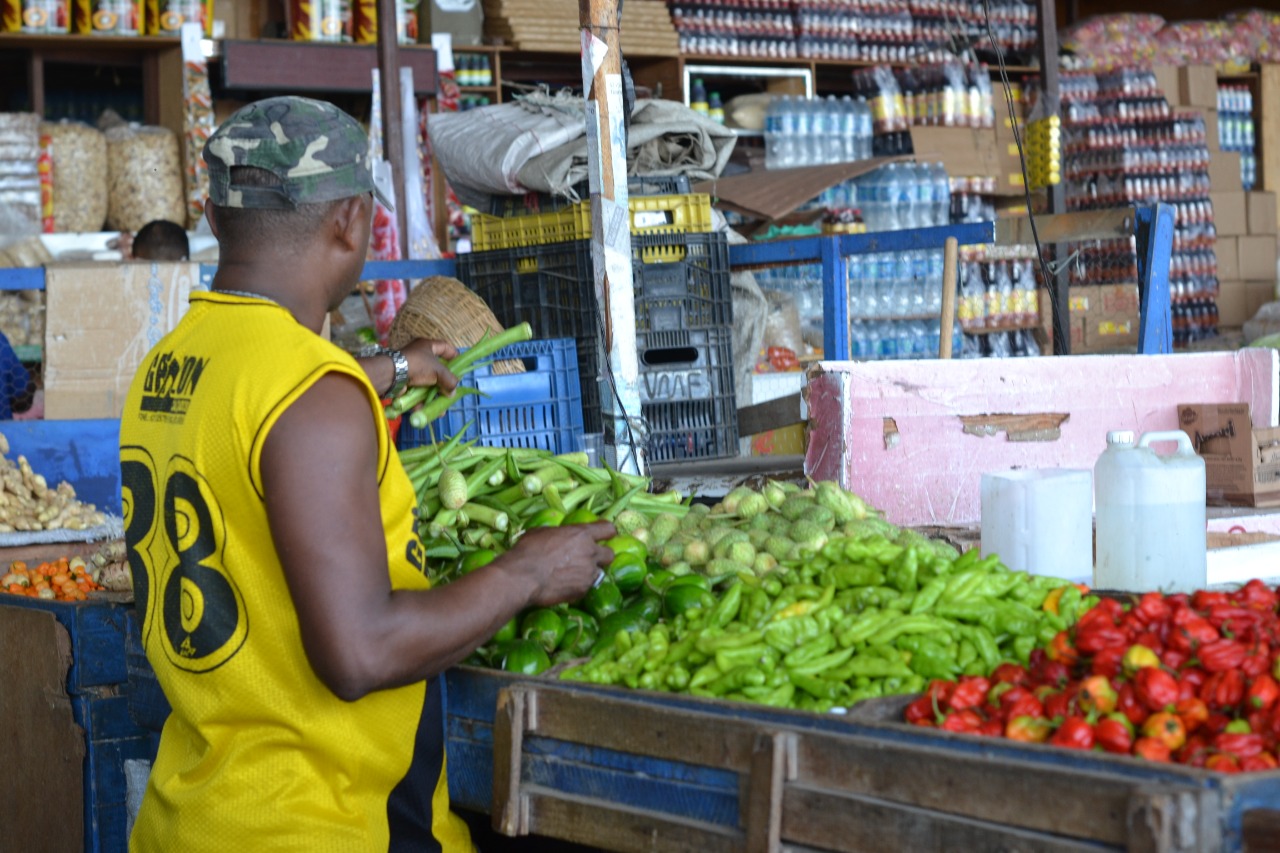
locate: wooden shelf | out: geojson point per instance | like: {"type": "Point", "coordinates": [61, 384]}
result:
{"type": "Point", "coordinates": [293, 66]}
{"type": "Point", "coordinates": [78, 44]}
{"type": "Point", "coordinates": [995, 330]}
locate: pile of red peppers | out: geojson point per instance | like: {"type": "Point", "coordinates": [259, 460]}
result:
{"type": "Point", "coordinates": [1185, 678]}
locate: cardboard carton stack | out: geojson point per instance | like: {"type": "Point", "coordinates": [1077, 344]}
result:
{"type": "Point", "coordinates": [552, 26]}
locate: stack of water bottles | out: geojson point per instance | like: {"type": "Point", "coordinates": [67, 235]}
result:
{"type": "Point", "coordinates": [1236, 130]}
{"type": "Point", "coordinates": [904, 195]}
{"type": "Point", "coordinates": [816, 131]}
{"type": "Point", "coordinates": [895, 302]}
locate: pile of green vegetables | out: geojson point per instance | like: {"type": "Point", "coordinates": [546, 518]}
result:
{"type": "Point", "coordinates": [785, 596]}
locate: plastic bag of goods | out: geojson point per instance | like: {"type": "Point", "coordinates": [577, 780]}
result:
{"type": "Point", "coordinates": [79, 176]}
{"type": "Point", "coordinates": [19, 179]}
{"type": "Point", "coordinates": [144, 177]}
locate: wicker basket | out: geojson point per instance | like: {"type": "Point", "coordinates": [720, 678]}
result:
{"type": "Point", "coordinates": [445, 309]}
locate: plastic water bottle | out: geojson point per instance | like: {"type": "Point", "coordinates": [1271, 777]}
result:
{"type": "Point", "coordinates": [788, 130]}
{"type": "Point", "coordinates": [891, 199]}
{"type": "Point", "coordinates": [869, 285]}
{"type": "Point", "coordinates": [834, 139]}
{"type": "Point", "coordinates": [848, 129]}
{"type": "Point", "coordinates": [773, 135]}
{"type": "Point", "coordinates": [871, 342]}
{"type": "Point", "coordinates": [803, 123]}
{"type": "Point", "coordinates": [919, 283]}
{"type": "Point", "coordinates": [866, 129]}
{"type": "Point", "coordinates": [941, 194]}
{"type": "Point", "coordinates": [933, 287]}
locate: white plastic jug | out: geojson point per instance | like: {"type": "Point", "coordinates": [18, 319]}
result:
{"type": "Point", "coordinates": [1150, 515]}
{"type": "Point", "coordinates": [1039, 521]}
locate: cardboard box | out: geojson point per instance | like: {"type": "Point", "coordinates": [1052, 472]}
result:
{"type": "Point", "coordinates": [100, 321]}
{"type": "Point", "coordinates": [1232, 301]}
{"type": "Point", "coordinates": [1261, 212]}
{"type": "Point", "coordinates": [1198, 86]}
{"type": "Point", "coordinates": [1224, 171]}
{"type": "Point", "coordinates": [1228, 253]}
{"type": "Point", "coordinates": [1242, 464]}
{"type": "Point", "coordinates": [1167, 80]}
{"type": "Point", "coordinates": [1258, 258]}
{"type": "Point", "coordinates": [1230, 216]}
{"type": "Point", "coordinates": [1109, 318]}
{"type": "Point", "coordinates": [463, 19]}
{"type": "Point", "coordinates": [1210, 129]}
{"type": "Point", "coordinates": [1257, 294]}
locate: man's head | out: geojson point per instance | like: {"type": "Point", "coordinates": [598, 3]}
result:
{"type": "Point", "coordinates": [161, 240]}
{"type": "Point", "coordinates": [285, 173]}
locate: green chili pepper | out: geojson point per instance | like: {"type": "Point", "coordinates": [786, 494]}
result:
{"type": "Point", "coordinates": [813, 649]}
{"type": "Point", "coordinates": [705, 674]}
{"type": "Point", "coordinates": [907, 625]}
{"type": "Point", "coordinates": [772, 586]}
{"type": "Point", "coordinates": [736, 679]}
{"type": "Point", "coordinates": [710, 643]}
{"type": "Point", "coordinates": [871, 666]}
{"type": "Point", "coordinates": [902, 574]}
{"type": "Point", "coordinates": [786, 634]}
{"type": "Point", "coordinates": [966, 560]}
{"type": "Point", "coordinates": [967, 653]}
{"type": "Point", "coordinates": [818, 688]}
{"type": "Point", "coordinates": [677, 677]}
{"type": "Point", "coordinates": [865, 626]}
{"type": "Point", "coordinates": [730, 659]}
{"type": "Point", "coordinates": [821, 664]}
{"type": "Point", "coordinates": [856, 575]}
{"type": "Point", "coordinates": [727, 608]}
{"type": "Point", "coordinates": [928, 595]}
{"type": "Point", "coordinates": [984, 643]}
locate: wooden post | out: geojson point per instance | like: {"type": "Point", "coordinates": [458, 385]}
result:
{"type": "Point", "coordinates": [611, 229]}
{"type": "Point", "coordinates": [1047, 51]}
{"type": "Point", "coordinates": [392, 138]}
{"type": "Point", "coordinates": [950, 277]}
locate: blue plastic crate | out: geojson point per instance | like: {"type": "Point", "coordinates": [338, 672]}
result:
{"type": "Point", "coordinates": [148, 706]}
{"type": "Point", "coordinates": [105, 815]}
{"type": "Point", "coordinates": [540, 408]}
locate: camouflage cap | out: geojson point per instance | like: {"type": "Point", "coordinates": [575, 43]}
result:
{"type": "Point", "coordinates": [319, 153]}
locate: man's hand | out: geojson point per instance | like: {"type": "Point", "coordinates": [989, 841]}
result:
{"type": "Point", "coordinates": [425, 367]}
{"type": "Point", "coordinates": [563, 562]}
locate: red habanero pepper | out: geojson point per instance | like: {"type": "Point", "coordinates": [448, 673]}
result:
{"type": "Point", "coordinates": [1203, 599]}
{"type": "Point", "coordinates": [1167, 728]}
{"type": "Point", "coordinates": [1107, 610]}
{"type": "Point", "coordinates": [1260, 722]}
{"type": "Point", "coordinates": [1194, 751]}
{"type": "Point", "coordinates": [1216, 723]}
{"type": "Point", "coordinates": [1261, 761]}
{"type": "Point", "coordinates": [940, 691]}
{"type": "Point", "coordinates": [1239, 745]}
{"type": "Point", "coordinates": [1128, 704]}
{"type": "Point", "coordinates": [1058, 705]}
{"type": "Point", "coordinates": [1221, 655]}
{"type": "Point", "coordinates": [1257, 595]}
{"type": "Point", "coordinates": [1262, 693]}
{"type": "Point", "coordinates": [996, 696]}
{"type": "Point", "coordinates": [1010, 673]}
{"type": "Point", "coordinates": [1114, 733]}
{"type": "Point", "coordinates": [969, 693]}
{"type": "Point", "coordinates": [1191, 631]}
{"type": "Point", "coordinates": [966, 721]}
{"type": "Point", "coordinates": [1024, 706]}
{"type": "Point", "coordinates": [1174, 659]}
{"type": "Point", "coordinates": [993, 727]}
{"type": "Point", "coordinates": [1152, 609]}
{"type": "Point", "coordinates": [1028, 729]}
{"type": "Point", "coordinates": [1193, 712]}
{"type": "Point", "coordinates": [1233, 619]}
{"type": "Point", "coordinates": [1190, 680]}
{"type": "Point", "coordinates": [1062, 651]}
{"type": "Point", "coordinates": [1222, 763]}
{"type": "Point", "coordinates": [1099, 635]}
{"type": "Point", "coordinates": [1151, 639]}
{"type": "Point", "coordinates": [1151, 749]}
{"type": "Point", "coordinates": [1138, 656]}
{"type": "Point", "coordinates": [1155, 688]}
{"type": "Point", "coordinates": [1097, 695]}
{"type": "Point", "coordinates": [1223, 689]}
{"type": "Point", "coordinates": [1178, 599]}
{"type": "Point", "coordinates": [1107, 662]}
{"type": "Point", "coordinates": [1074, 733]}
{"type": "Point", "coordinates": [920, 712]}
{"type": "Point", "coordinates": [1257, 660]}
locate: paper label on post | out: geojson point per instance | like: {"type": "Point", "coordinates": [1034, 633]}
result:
{"type": "Point", "coordinates": [617, 133]}
{"type": "Point", "coordinates": [596, 165]}
{"type": "Point", "coordinates": [443, 44]}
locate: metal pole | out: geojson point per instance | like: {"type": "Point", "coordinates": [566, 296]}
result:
{"type": "Point", "coordinates": [392, 141]}
{"type": "Point", "coordinates": [611, 229]}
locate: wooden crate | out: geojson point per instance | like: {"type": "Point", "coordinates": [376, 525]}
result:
{"type": "Point", "coordinates": [635, 771]}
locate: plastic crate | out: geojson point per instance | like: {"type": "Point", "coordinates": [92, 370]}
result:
{"type": "Point", "coordinates": [687, 393]}
{"type": "Point", "coordinates": [660, 214]}
{"type": "Point", "coordinates": [522, 205]}
{"type": "Point", "coordinates": [148, 707]}
{"type": "Point", "coordinates": [541, 407]}
{"type": "Point", "coordinates": [681, 281]}
{"type": "Point", "coordinates": [550, 287]}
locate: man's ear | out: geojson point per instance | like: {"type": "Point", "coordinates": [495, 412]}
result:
{"type": "Point", "coordinates": [211, 219]}
{"type": "Point", "coordinates": [348, 219]}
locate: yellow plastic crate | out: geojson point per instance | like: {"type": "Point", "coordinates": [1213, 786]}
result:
{"type": "Point", "coordinates": [653, 214]}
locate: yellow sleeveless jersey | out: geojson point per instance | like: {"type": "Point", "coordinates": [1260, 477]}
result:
{"type": "Point", "coordinates": [258, 754]}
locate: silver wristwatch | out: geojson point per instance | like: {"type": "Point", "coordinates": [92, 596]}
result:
{"type": "Point", "coordinates": [401, 363]}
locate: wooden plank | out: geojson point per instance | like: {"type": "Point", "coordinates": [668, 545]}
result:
{"type": "Point", "coordinates": [1061, 227]}
{"type": "Point", "coordinates": [509, 807]}
{"type": "Point", "coordinates": [1269, 129]}
{"type": "Point", "coordinates": [1085, 804]}
{"type": "Point", "coordinates": [609, 826]}
{"type": "Point", "coordinates": [272, 65]}
{"type": "Point", "coordinates": [868, 825]}
{"type": "Point", "coordinates": [1260, 831]}
{"type": "Point", "coordinates": [771, 761]}
{"type": "Point", "coordinates": [47, 752]}
{"type": "Point", "coordinates": [772, 414]}
{"type": "Point", "coordinates": [667, 734]}
{"type": "Point", "coordinates": [1173, 819]}
{"type": "Point", "coordinates": [849, 402]}
{"type": "Point", "coordinates": [1037, 426]}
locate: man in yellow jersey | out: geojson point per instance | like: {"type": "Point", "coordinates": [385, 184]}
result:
{"type": "Point", "coordinates": [271, 539]}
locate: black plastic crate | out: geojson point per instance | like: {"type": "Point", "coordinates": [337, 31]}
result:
{"type": "Point", "coordinates": [550, 287]}
{"type": "Point", "coordinates": [687, 393]}
{"type": "Point", "coordinates": [520, 205]}
{"type": "Point", "coordinates": [681, 281]}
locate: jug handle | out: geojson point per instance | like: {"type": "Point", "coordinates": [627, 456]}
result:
{"type": "Point", "coordinates": [1184, 441]}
